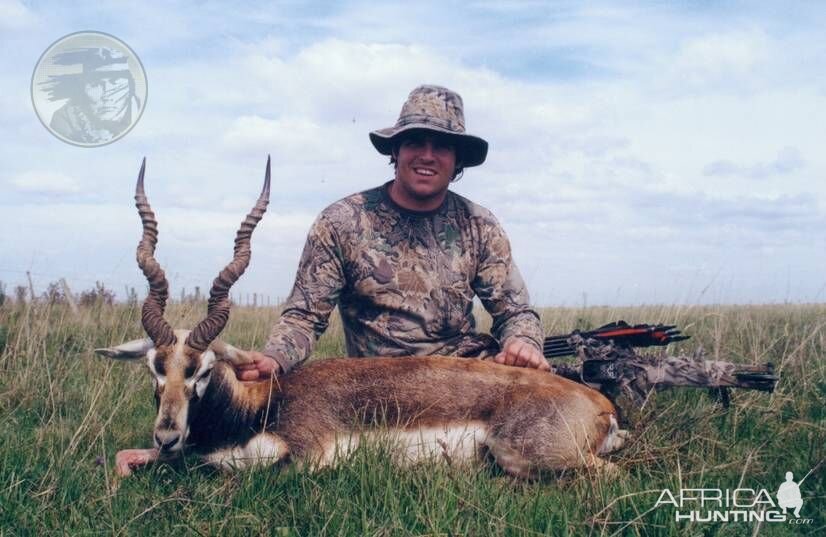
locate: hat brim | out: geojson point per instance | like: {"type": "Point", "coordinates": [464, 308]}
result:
{"type": "Point", "coordinates": [471, 149]}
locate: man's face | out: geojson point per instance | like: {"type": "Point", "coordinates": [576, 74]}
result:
{"type": "Point", "coordinates": [425, 165]}
{"type": "Point", "coordinates": [108, 97]}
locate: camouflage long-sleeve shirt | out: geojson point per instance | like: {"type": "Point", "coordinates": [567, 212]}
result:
{"type": "Point", "coordinates": [404, 282]}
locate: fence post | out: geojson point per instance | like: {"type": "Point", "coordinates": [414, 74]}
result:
{"type": "Point", "coordinates": [31, 287]}
{"type": "Point", "coordinates": [69, 297]}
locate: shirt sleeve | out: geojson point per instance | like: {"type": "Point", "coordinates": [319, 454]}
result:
{"type": "Point", "coordinates": [500, 287]}
{"type": "Point", "coordinates": [318, 285]}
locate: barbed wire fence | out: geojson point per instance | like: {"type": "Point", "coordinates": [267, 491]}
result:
{"type": "Point", "coordinates": [17, 286]}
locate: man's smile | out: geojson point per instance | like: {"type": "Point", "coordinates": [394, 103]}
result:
{"type": "Point", "coordinates": [424, 171]}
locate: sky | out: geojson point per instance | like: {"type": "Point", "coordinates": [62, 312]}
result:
{"type": "Point", "coordinates": [640, 152]}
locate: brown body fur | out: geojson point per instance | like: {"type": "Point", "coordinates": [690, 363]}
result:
{"type": "Point", "coordinates": [533, 420]}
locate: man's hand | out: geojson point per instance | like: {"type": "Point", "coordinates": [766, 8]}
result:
{"type": "Point", "coordinates": [520, 353]}
{"type": "Point", "coordinates": [262, 368]}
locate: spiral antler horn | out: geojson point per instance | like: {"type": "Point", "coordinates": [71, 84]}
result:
{"type": "Point", "coordinates": [219, 303]}
{"type": "Point", "coordinates": [154, 324]}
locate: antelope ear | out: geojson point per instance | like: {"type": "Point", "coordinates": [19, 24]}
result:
{"type": "Point", "coordinates": [228, 353]}
{"type": "Point", "coordinates": [131, 350]}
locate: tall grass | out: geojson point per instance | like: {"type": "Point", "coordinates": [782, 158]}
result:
{"type": "Point", "coordinates": [65, 412]}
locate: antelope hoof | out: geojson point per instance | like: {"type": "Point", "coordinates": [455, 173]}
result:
{"type": "Point", "coordinates": [128, 459]}
{"type": "Point", "coordinates": [622, 436]}
{"type": "Point", "coordinates": [609, 470]}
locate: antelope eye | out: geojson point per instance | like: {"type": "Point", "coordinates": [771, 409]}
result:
{"type": "Point", "coordinates": [189, 371]}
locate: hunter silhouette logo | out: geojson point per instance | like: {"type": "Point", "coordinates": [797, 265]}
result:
{"type": "Point", "coordinates": [788, 495]}
{"type": "Point", "coordinates": [89, 89]}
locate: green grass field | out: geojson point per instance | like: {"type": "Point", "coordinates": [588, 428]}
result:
{"type": "Point", "coordinates": [64, 412]}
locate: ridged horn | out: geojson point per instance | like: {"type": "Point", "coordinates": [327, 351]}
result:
{"type": "Point", "coordinates": [152, 319]}
{"type": "Point", "coordinates": [219, 303]}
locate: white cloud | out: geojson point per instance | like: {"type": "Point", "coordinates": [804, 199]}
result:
{"type": "Point", "coordinates": [788, 161]}
{"type": "Point", "coordinates": [721, 58]}
{"type": "Point", "coordinates": [287, 137]}
{"type": "Point", "coordinates": [45, 182]}
{"type": "Point", "coordinates": [14, 15]}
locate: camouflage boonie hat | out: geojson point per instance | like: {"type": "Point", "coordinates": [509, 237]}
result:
{"type": "Point", "coordinates": [436, 109]}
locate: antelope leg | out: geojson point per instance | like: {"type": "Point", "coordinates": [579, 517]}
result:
{"type": "Point", "coordinates": [263, 449]}
{"type": "Point", "coordinates": [128, 459]}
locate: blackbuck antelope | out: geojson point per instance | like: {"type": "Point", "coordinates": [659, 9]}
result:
{"type": "Point", "coordinates": [455, 408]}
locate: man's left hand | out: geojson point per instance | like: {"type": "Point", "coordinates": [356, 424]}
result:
{"type": "Point", "coordinates": [262, 367]}
{"type": "Point", "coordinates": [520, 353]}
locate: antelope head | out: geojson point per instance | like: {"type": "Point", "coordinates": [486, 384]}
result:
{"type": "Point", "coordinates": [181, 361]}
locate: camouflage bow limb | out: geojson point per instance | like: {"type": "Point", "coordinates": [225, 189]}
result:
{"type": "Point", "coordinates": [613, 369]}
